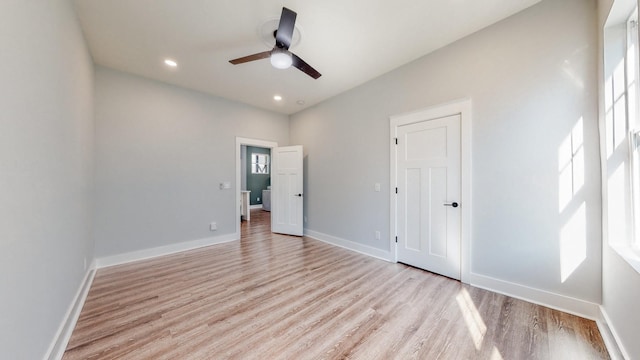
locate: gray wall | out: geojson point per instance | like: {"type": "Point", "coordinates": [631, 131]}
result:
{"type": "Point", "coordinates": [531, 78]}
{"type": "Point", "coordinates": [257, 182]}
{"type": "Point", "coordinates": [620, 282]}
{"type": "Point", "coordinates": [46, 150]}
{"type": "Point", "coordinates": [161, 152]}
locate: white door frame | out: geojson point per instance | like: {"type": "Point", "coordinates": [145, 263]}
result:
{"type": "Point", "coordinates": [463, 108]}
{"type": "Point", "coordinates": [249, 142]}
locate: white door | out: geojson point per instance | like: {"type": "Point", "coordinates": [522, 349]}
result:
{"type": "Point", "coordinates": [428, 200]}
{"type": "Point", "coordinates": [286, 190]}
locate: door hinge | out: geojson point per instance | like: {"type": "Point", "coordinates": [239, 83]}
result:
{"type": "Point", "coordinates": [396, 141]}
{"type": "Point", "coordinates": [396, 190]}
{"type": "Point", "coordinates": [396, 239]}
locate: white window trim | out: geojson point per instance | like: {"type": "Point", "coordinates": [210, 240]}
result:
{"type": "Point", "coordinates": [630, 250]}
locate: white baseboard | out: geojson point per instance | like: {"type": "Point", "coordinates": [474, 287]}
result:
{"type": "Point", "coordinates": [257, 206]}
{"type": "Point", "coordinates": [60, 341]}
{"type": "Point", "coordinates": [610, 337]}
{"type": "Point", "coordinates": [563, 303]}
{"type": "Point", "coordinates": [163, 250]}
{"type": "Point", "coordinates": [349, 245]}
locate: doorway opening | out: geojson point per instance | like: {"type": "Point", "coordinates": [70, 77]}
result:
{"type": "Point", "coordinates": [260, 223]}
{"type": "Point", "coordinates": [255, 163]}
{"type": "Point", "coordinates": [245, 147]}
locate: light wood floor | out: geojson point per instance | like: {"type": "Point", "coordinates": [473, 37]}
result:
{"type": "Point", "coordinates": [271, 296]}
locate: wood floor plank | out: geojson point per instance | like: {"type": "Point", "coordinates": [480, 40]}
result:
{"type": "Point", "coordinates": [271, 296]}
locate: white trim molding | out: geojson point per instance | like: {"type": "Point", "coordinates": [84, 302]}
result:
{"type": "Point", "coordinates": [610, 337]}
{"type": "Point", "coordinates": [163, 250]}
{"type": "Point", "coordinates": [551, 300]}
{"type": "Point", "coordinates": [349, 245]}
{"type": "Point", "coordinates": [463, 107]}
{"type": "Point", "coordinates": [61, 339]}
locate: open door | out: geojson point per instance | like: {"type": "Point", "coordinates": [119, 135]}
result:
{"type": "Point", "coordinates": [286, 190]}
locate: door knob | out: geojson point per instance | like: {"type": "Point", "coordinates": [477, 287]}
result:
{"type": "Point", "coordinates": [300, 195]}
{"type": "Point", "coordinates": [453, 204]}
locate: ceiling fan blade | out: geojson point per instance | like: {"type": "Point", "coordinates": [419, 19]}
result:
{"type": "Point", "coordinates": [284, 34]}
{"type": "Point", "coordinates": [304, 67]}
{"type": "Point", "coordinates": [258, 56]}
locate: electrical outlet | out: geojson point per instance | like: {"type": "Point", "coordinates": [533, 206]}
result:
{"type": "Point", "coordinates": [376, 187]}
{"type": "Point", "coordinates": [258, 198]}
{"type": "Point", "coordinates": [213, 226]}
{"type": "Point", "coordinates": [377, 235]}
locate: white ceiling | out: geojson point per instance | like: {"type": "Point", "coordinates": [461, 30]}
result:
{"type": "Point", "coordinates": [349, 42]}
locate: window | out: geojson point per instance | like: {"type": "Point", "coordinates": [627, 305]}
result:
{"type": "Point", "coordinates": [259, 163]}
{"type": "Point", "coordinates": [632, 76]}
{"type": "Point", "coordinates": [621, 137]}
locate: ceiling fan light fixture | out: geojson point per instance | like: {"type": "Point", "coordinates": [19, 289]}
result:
{"type": "Point", "coordinates": [281, 59]}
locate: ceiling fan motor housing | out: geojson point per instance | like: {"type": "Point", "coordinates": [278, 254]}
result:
{"type": "Point", "coordinates": [280, 56]}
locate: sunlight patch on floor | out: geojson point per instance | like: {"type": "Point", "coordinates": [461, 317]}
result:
{"type": "Point", "coordinates": [475, 325]}
{"type": "Point", "coordinates": [495, 354]}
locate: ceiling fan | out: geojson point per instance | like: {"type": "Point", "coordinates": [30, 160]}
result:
{"type": "Point", "coordinates": [280, 55]}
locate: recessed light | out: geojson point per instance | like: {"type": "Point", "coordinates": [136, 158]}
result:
{"type": "Point", "coordinates": [277, 97]}
{"type": "Point", "coordinates": [170, 63]}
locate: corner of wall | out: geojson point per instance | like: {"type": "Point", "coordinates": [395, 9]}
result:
{"type": "Point", "coordinates": [610, 338]}
{"type": "Point", "coordinates": [61, 339]}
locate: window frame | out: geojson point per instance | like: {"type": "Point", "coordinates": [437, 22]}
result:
{"type": "Point", "coordinates": [256, 163]}
{"type": "Point", "coordinates": [632, 92]}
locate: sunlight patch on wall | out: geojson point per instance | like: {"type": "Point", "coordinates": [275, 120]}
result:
{"type": "Point", "coordinates": [571, 165]}
{"type": "Point", "coordinates": [573, 236]}
{"type": "Point", "coordinates": [573, 243]}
